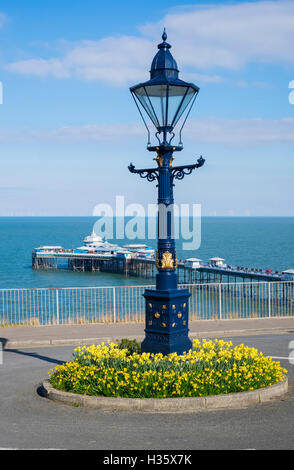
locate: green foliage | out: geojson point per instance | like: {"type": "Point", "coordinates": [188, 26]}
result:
{"type": "Point", "coordinates": [131, 345]}
{"type": "Point", "coordinates": [210, 368]}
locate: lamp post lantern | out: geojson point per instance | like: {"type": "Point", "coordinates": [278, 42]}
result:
{"type": "Point", "coordinates": [164, 99]}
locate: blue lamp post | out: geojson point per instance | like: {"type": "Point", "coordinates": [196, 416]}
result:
{"type": "Point", "coordinates": [165, 98]}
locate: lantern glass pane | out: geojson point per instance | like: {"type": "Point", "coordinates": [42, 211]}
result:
{"type": "Point", "coordinates": [164, 104]}
{"type": "Point", "coordinates": [145, 102]}
{"type": "Point", "coordinates": [179, 98]}
{"type": "Point", "coordinates": [157, 96]}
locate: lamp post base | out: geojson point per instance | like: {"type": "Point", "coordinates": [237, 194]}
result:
{"type": "Point", "coordinates": [166, 328]}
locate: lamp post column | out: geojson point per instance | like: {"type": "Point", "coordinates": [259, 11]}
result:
{"type": "Point", "coordinates": [166, 326]}
{"type": "Point", "coordinates": [166, 258]}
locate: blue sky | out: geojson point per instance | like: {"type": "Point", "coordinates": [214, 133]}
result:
{"type": "Point", "coordinates": [69, 127]}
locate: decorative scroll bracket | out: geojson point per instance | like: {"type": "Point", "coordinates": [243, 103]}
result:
{"type": "Point", "coordinates": [177, 172]}
{"type": "Point", "coordinates": [151, 174]}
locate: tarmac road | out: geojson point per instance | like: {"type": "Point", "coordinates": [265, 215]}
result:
{"type": "Point", "coordinates": [29, 421]}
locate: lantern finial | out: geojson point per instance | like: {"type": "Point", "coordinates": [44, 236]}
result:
{"type": "Point", "coordinates": [164, 44]}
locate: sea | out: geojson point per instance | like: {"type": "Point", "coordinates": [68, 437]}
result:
{"type": "Point", "coordinates": [257, 242]}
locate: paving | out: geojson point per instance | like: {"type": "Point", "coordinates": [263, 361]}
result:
{"type": "Point", "coordinates": [27, 336]}
{"type": "Point", "coordinates": [30, 421]}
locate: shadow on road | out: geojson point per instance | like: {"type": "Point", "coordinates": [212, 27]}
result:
{"type": "Point", "coordinates": [35, 355]}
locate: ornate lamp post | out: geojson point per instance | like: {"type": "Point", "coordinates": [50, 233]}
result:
{"type": "Point", "coordinates": [164, 98]}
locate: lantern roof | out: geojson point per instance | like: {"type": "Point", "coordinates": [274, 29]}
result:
{"type": "Point", "coordinates": [163, 63]}
{"type": "Point", "coordinates": [164, 69]}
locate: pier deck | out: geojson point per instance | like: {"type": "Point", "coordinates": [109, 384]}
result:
{"type": "Point", "coordinates": [145, 268]}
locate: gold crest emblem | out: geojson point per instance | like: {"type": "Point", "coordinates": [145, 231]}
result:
{"type": "Point", "coordinates": [166, 261]}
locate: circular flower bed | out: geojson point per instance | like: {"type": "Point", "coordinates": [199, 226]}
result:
{"type": "Point", "coordinates": [210, 368]}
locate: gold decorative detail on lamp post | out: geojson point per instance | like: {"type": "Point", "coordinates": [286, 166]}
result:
{"type": "Point", "coordinates": [166, 261]}
{"type": "Point", "coordinates": [157, 264]}
{"type": "Point", "coordinates": [159, 160]}
{"type": "Point", "coordinates": [176, 261]}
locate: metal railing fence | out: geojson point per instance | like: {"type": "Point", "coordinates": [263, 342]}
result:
{"type": "Point", "coordinates": [78, 305]}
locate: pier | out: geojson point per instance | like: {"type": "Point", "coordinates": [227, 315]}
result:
{"type": "Point", "coordinates": [191, 271]}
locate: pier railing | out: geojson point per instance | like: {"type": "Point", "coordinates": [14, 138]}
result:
{"type": "Point", "coordinates": [78, 305]}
